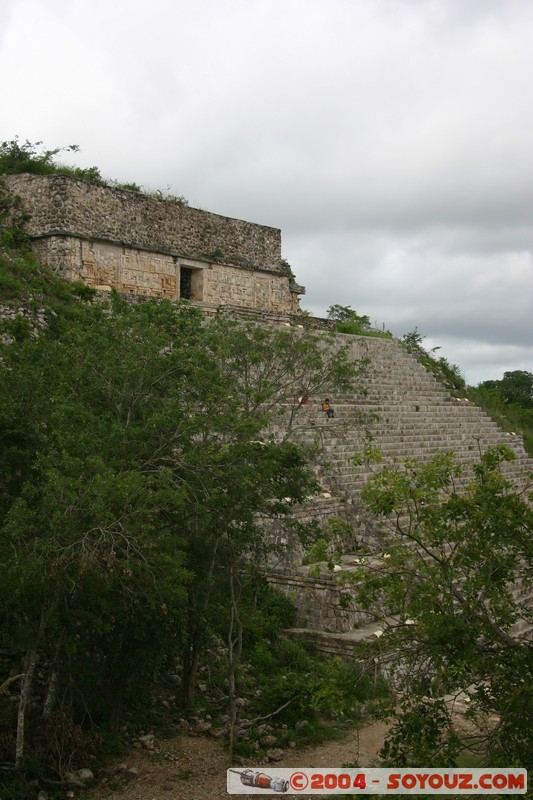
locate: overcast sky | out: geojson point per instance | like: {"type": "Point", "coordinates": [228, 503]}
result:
{"type": "Point", "coordinates": [390, 140]}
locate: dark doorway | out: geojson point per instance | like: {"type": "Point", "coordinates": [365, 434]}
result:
{"type": "Point", "coordinates": [185, 283]}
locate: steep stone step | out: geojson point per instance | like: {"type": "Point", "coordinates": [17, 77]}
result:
{"type": "Point", "coordinates": [408, 415]}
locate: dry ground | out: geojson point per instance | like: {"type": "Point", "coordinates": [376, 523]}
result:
{"type": "Point", "coordinates": [199, 771]}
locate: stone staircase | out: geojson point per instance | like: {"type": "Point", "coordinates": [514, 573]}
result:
{"type": "Point", "coordinates": [404, 413]}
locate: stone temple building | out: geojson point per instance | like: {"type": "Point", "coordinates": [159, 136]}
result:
{"type": "Point", "coordinates": [112, 238]}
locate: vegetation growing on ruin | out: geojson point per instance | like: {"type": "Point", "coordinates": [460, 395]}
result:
{"type": "Point", "coordinates": [508, 401]}
{"type": "Point", "coordinates": [446, 373]}
{"type": "Point", "coordinates": [287, 270]}
{"type": "Point", "coordinates": [442, 585]}
{"type": "Point", "coordinates": [134, 462]}
{"type": "Point", "coordinates": [18, 157]}
{"type": "Point", "coordinates": [349, 321]}
{"type": "Point", "coordinates": [34, 158]}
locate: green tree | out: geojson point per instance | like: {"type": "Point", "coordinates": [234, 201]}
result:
{"type": "Point", "coordinates": [85, 534]}
{"type": "Point", "coordinates": [349, 321]}
{"type": "Point", "coordinates": [515, 388]}
{"type": "Point", "coordinates": [507, 401]}
{"type": "Point", "coordinates": [139, 444]}
{"type": "Point", "coordinates": [444, 587]}
{"type": "Point", "coordinates": [245, 463]}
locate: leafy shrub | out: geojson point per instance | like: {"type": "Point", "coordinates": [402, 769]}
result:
{"type": "Point", "coordinates": [177, 199]}
{"type": "Point", "coordinates": [269, 612]}
{"type": "Point", "coordinates": [12, 218]}
{"type": "Point", "coordinates": [312, 686]}
{"type": "Point", "coordinates": [286, 269]}
{"type": "Point", "coordinates": [19, 328]}
{"type": "Point", "coordinates": [349, 321]}
{"type": "Point", "coordinates": [130, 187]}
{"type": "Point", "coordinates": [17, 158]}
{"type": "Point", "coordinates": [32, 157]}
{"type": "Point", "coordinates": [23, 279]}
{"type": "Point", "coordinates": [446, 373]}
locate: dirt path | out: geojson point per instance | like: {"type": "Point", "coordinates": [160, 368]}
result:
{"type": "Point", "coordinates": [194, 768]}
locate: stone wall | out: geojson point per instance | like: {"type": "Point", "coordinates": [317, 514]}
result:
{"type": "Point", "coordinates": [323, 603]}
{"type": "Point", "coordinates": [60, 204]}
{"type": "Point", "coordinates": [10, 313]}
{"type": "Point", "coordinates": [141, 245]}
{"type": "Point", "coordinates": [107, 265]}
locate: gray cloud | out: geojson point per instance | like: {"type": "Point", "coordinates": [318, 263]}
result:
{"type": "Point", "coordinates": [390, 140]}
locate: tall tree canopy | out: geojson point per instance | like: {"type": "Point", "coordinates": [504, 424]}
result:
{"type": "Point", "coordinates": [516, 387]}
{"type": "Point", "coordinates": [136, 452]}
